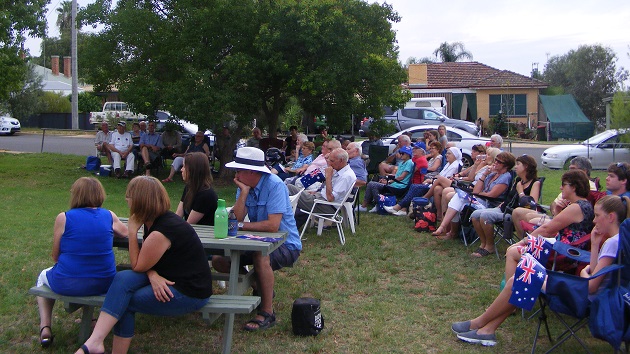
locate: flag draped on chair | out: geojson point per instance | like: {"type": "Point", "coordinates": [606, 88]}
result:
{"type": "Point", "coordinates": [528, 281]}
{"type": "Point", "coordinates": [315, 176]}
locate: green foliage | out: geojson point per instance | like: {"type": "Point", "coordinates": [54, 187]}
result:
{"type": "Point", "coordinates": [27, 101]}
{"type": "Point", "coordinates": [380, 127]}
{"type": "Point", "coordinates": [499, 125]}
{"type": "Point", "coordinates": [620, 113]}
{"type": "Point", "coordinates": [452, 52]}
{"type": "Point", "coordinates": [292, 114]}
{"type": "Point", "coordinates": [590, 74]}
{"type": "Point", "coordinates": [55, 103]}
{"type": "Point", "coordinates": [88, 102]}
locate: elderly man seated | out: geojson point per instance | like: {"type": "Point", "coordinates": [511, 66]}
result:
{"type": "Point", "coordinates": [150, 147]}
{"type": "Point", "coordinates": [391, 163]}
{"type": "Point", "coordinates": [120, 146]}
{"type": "Point", "coordinates": [100, 141]}
{"type": "Point", "coordinates": [339, 180]}
{"type": "Point", "coordinates": [356, 163]}
{"type": "Point", "coordinates": [319, 163]}
{"type": "Point", "coordinates": [171, 140]}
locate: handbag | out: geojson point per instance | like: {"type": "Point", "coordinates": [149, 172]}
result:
{"type": "Point", "coordinates": [92, 163]}
{"type": "Point", "coordinates": [306, 317]}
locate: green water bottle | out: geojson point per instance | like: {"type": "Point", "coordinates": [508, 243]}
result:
{"type": "Point", "coordinates": [220, 220]}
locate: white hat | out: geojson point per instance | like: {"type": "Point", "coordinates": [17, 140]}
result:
{"type": "Point", "coordinates": [249, 158]}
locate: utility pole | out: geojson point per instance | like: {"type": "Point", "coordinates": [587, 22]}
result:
{"type": "Point", "coordinates": [75, 69]}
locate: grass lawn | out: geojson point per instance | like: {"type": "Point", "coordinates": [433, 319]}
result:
{"type": "Point", "coordinates": [388, 290]}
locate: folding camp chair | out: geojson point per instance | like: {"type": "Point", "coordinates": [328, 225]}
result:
{"type": "Point", "coordinates": [567, 295]}
{"type": "Point", "coordinates": [335, 216]}
{"type": "Point", "coordinates": [377, 154]}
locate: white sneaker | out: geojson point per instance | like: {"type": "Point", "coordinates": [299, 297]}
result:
{"type": "Point", "coordinates": [389, 209]}
{"type": "Point", "coordinates": [400, 213]}
{"type": "Point", "coordinates": [373, 210]}
{"type": "Point", "coordinates": [362, 208]}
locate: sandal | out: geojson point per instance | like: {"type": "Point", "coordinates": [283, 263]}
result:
{"type": "Point", "coordinates": [480, 253]}
{"type": "Point", "coordinates": [269, 320]}
{"type": "Point", "coordinates": [85, 349]}
{"type": "Point", "coordinates": [166, 180]}
{"type": "Point", "coordinates": [48, 341]}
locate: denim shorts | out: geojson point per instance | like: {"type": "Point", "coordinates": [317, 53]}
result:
{"type": "Point", "coordinates": [280, 258]}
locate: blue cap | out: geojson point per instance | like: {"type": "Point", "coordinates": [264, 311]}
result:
{"type": "Point", "coordinates": [405, 150]}
{"type": "Point", "coordinates": [420, 145]}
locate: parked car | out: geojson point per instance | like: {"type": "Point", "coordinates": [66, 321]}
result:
{"type": "Point", "coordinates": [9, 125]}
{"type": "Point", "coordinates": [602, 149]}
{"type": "Point", "coordinates": [462, 139]}
{"type": "Point", "coordinates": [186, 128]}
{"type": "Point", "coordinates": [118, 110]}
{"type": "Point", "coordinates": [414, 116]}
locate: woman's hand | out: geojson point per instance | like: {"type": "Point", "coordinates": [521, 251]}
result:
{"type": "Point", "coordinates": [160, 287]}
{"type": "Point", "coordinates": [586, 272]}
{"type": "Point", "coordinates": [133, 225]}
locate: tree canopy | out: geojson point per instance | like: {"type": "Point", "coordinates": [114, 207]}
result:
{"type": "Point", "coordinates": [17, 19]}
{"type": "Point", "coordinates": [590, 74]}
{"type": "Point", "coordinates": [215, 61]}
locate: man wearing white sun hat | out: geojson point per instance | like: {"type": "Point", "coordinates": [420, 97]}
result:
{"type": "Point", "coordinates": [265, 199]}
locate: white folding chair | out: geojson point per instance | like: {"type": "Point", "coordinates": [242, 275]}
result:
{"type": "Point", "coordinates": [349, 207]}
{"type": "Point", "coordinates": [335, 217]}
{"type": "Point", "coordinates": [294, 199]}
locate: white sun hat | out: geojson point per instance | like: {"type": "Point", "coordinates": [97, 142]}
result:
{"type": "Point", "coordinates": [249, 158]}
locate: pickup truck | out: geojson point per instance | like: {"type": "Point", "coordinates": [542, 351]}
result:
{"type": "Point", "coordinates": [414, 116]}
{"type": "Point", "coordinates": [119, 110]}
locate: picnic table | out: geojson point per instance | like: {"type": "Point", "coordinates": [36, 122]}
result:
{"type": "Point", "coordinates": [231, 247]}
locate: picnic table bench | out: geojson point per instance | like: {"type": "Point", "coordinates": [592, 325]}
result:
{"type": "Point", "coordinates": [218, 304]}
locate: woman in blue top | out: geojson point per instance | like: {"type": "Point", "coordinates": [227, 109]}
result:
{"type": "Point", "coordinates": [495, 184]}
{"type": "Point", "coordinates": [394, 184]}
{"type": "Point", "coordinates": [82, 250]}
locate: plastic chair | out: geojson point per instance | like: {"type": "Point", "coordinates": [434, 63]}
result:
{"type": "Point", "coordinates": [567, 295]}
{"type": "Point", "coordinates": [294, 199]}
{"type": "Point", "coordinates": [335, 217]}
{"type": "Point", "coordinates": [349, 209]}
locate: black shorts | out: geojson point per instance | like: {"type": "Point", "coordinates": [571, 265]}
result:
{"type": "Point", "coordinates": [280, 258]}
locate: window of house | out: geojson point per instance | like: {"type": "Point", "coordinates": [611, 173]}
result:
{"type": "Point", "coordinates": [510, 105]}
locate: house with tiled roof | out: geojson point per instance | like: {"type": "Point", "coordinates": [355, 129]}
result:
{"type": "Point", "coordinates": [474, 90]}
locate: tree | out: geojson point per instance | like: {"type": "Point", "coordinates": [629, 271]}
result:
{"type": "Point", "coordinates": [53, 102]}
{"type": "Point", "coordinates": [25, 102]}
{"type": "Point", "coordinates": [620, 113]}
{"type": "Point", "coordinates": [64, 18]}
{"type": "Point", "coordinates": [589, 74]}
{"type": "Point", "coordinates": [336, 58]}
{"type": "Point", "coordinates": [89, 103]}
{"type": "Point", "coordinates": [452, 52]}
{"type": "Point", "coordinates": [19, 18]}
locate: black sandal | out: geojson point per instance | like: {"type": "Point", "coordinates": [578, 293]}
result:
{"type": "Point", "coordinates": [268, 322]}
{"type": "Point", "coordinates": [46, 342]}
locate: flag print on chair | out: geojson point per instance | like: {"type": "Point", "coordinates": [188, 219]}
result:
{"type": "Point", "coordinates": [528, 281]}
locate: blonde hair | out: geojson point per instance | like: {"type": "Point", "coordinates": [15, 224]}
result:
{"type": "Point", "coordinates": [618, 205]}
{"type": "Point", "coordinates": [87, 192]}
{"type": "Point", "coordinates": [309, 145]}
{"type": "Point", "coordinates": [491, 154]}
{"type": "Point", "coordinates": [149, 198]}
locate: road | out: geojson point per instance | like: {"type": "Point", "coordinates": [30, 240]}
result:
{"type": "Point", "coordinates": [84, 145]}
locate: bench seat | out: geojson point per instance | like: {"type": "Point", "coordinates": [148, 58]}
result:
{"type": "Point", "coordinates": [218, 304]}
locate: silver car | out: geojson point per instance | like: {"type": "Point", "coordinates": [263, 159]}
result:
{"type": "Point", "coordinates": [410, 117]}
{"type": "Point", "coordinates": [602, 149]}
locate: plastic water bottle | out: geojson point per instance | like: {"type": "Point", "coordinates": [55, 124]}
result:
{"type": "Point", "coordinates": [220, 220]}
{"type": "Point", "coordinates": [232, 223]}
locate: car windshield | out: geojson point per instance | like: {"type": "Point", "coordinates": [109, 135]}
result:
{"type": "Point", "coordinates": [599, 137]}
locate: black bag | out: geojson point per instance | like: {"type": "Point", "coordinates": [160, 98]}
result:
{"type": "Point", "coordinates": [306, 317]}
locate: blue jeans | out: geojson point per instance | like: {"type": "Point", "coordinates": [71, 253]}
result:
{"type": "Point", "coordinates": [415, 190]}
{"type": "Point", "coordinates": [131, 292]}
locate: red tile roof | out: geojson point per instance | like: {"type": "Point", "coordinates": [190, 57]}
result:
{"type": "Point", "coordinates": [475, 75]}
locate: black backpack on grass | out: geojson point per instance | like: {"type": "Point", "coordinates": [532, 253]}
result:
{"type": "Point", "coordinates": [306, 317]}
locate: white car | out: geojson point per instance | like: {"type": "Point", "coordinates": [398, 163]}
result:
{"type": "Point", "coordinates": [462, 139]}
{"type": "Point", "coordinates": [187, 129]}
{"type": "Point", "coordinates": [9, 125]}
{"type": "Point", "coordinates": [602, 149]}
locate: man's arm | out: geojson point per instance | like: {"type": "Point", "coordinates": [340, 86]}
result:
{"type": "Point", "coordinates": [272, 224]}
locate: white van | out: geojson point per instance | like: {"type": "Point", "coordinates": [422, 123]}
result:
{"type": "Point", "coordinates": [437, 103]}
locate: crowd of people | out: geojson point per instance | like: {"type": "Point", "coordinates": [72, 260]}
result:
{"type": "Point", "coordinates": [170, 275]}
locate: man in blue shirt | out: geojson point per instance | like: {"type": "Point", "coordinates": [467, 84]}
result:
{"type": "Point", "coordinates": [264, 198]}
{"type": "Point", "coordinates": [356, 163]}
{"type": "Point", "coordinates": [150, 147]}
{"type": "Point", "coordinates": [618, 179]}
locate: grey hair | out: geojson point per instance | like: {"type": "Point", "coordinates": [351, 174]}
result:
{"type": "Point", "coordinates": [334, 144]}
{"type": "Point", "coordinates": [355, 145]}
{"type": "Point", "coordinates": [340, 154]}
{"type": "Point", "coordinates": [405, 138]}
{"type": "Point", "coordinates": [302, 137]}
{"type": "Point", "coordinates": [583, 164]}
{"type": "Point", "coordinates": [498, 137]}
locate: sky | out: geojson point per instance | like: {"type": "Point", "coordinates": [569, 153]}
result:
{"type": "Point", "coordinates": [507, 35]}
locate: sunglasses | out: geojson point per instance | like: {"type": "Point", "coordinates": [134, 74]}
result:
{"type": "Point", "coordinates": [499, 161]}
{"type": "Point", "coordinates": [622, 166]}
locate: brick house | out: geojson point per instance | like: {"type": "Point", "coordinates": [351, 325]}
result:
{"type": "Point", "coordinates": [474, 90]}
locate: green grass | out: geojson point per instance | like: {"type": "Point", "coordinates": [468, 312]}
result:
{"type": "Point", "coordinates": [388, 290]}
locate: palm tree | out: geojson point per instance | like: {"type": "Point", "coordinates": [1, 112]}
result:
{"type": "Point", "coordinates": [452, 52]}
{"type": "Point", "coordinates": [64, 17]}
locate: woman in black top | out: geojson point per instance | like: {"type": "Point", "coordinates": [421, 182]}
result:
{"type": "Point", "coordinates": [170, 275]}
{"type": "Point", "coordinates": [199, 201]}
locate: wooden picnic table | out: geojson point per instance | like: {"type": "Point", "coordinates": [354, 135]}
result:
{"type": "Point", "coordinates": [231, 247]}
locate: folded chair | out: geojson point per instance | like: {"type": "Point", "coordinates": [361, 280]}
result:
{"type": "Point", "coordinates": [567, 296]}
{"type": "Point", "coordinates": [335, 217]}
{"type": "Point", "coordinates": [377, 155]}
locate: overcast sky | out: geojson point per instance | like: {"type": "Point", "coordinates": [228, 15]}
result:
{"type": "Point", "coordinates": [507, 35]}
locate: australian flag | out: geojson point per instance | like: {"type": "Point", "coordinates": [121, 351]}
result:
{"type": "Point", "coordinates": [539, 247]}
{"type": "Point", "coordinates": [528, 281]}
{"type": "Point", "coordinates": [315, 176]}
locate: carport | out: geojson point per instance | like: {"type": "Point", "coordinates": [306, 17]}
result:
{"type": "Point", "coordinates": [564, 118]}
